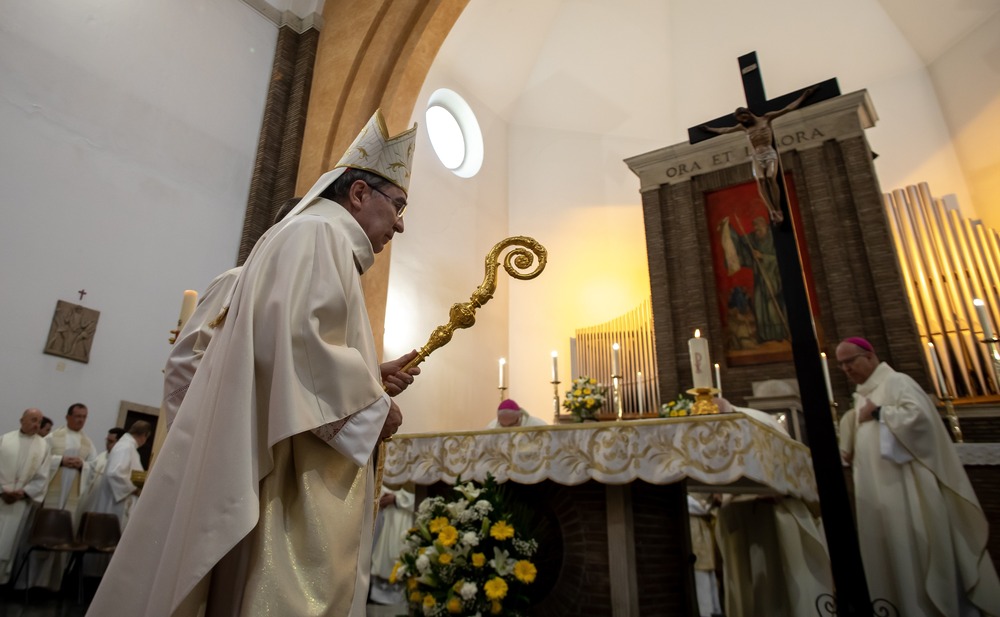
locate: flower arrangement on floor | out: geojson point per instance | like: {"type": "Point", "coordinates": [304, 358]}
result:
{"type": "Point", "coordinates": [677, 408]}
{"type": "Point", "coordinates": [466, 556]}
{"type": "Point", "coordinates": [585, 398]}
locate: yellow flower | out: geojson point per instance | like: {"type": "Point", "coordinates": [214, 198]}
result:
{"type": "Point", "coordinates": [592, 381]}
{"type": "Point", "coordinates": [438, 524]}
{"type": "Point", "coordinates": [586, 390]}
{"type": "Point", "coordinates": [578, 392]}
{"type": "Point", "coordinates": [525, 571]}
{"type": "Point", "coordinates": [454, 605]}
{"type": "Point", "coordinates": [495, 588]}
{"type": "Point", "coordinates": [429, 601]}
{"type": "Point", "coordinates": [444, 558]}
{"type": "Point", "coordinates": [495, 607]}
{"type": "Point", "coordinates": [501, 530]}
{"type": "Point", "coordinates": [412, 583]}
{"type": "Point", "coordinates": [416, 596]}
{"type": "Point", "coordinates": [671, 403]}
{"type": "Point", "coordinates": [448, 536]}
{"type": "Point", "coordinates": [478, 560]}
{"type": "Point", "coordinates": [392, 575]}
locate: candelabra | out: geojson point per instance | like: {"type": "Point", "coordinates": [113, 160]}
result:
{"type": "Point", "coordinates": [704, 401]}
{"type": "Point", "coordinates": [555, 401]}
{"type": "Point", "coordinates": [616, 393]}
{"type": "Point", "coordinates": [994, 347]}
{"type": "Point", "coordinates": [949, 406]}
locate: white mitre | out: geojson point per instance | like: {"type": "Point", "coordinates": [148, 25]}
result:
{"type": "Point", "coordinates": [374, 151]}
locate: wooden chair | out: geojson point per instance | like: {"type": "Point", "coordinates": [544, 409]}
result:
{"type": "Point", "coordinates": [52, 531]}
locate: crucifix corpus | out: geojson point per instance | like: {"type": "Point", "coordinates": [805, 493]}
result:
{"type": "Point", "coordinates": [755, 120]}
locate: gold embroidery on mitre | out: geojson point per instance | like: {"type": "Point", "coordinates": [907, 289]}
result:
{"type": "Point", "coordinates": [373, 150]}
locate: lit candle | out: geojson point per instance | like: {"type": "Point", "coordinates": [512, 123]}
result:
{"type": "Point", "coordinates": [984, 319]}
{"type": "Point", "coordinates": [937, 370]}
{"type": "Point", "coordinates": [700, 371]}
{"type": "Point", "coordinates": [718, 380]}
{"type": "Point", "coordinates": [615, 350]}
{"type": "Point", "coordinates": [187, 307]}
{"type": "Point", "coordinates": [555, 367]}
{"type": "Point", "coordinates": [503, 362]}
{"type": "Point", "coordinates": [826, 376]}
{"type": "Point", "coordinates": [641, 393]}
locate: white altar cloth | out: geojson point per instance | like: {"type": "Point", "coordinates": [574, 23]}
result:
{"type": "Point", "coordinates": [726, 450]}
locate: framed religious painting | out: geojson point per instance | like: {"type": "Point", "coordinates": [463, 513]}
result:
{"type": "Point", "coordinates": [72, 331]}
{"type": "Point", "coordinates": [748, 285]}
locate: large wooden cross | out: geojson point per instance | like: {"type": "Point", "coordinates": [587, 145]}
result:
{"type": "Point", "coordinates": [838, 522]}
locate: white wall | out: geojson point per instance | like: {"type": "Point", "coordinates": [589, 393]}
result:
{"type": "Point", "coordinates": [439, 261]}
{"type": "Point", "coordinates": [129, 131]}
{"type": "Point", "coordinates": [966, 79]}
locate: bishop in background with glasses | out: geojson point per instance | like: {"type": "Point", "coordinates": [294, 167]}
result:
{"type": "Point", "coordinates": [261, 501]}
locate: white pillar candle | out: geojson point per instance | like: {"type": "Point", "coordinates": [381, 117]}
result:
{"type": "Point", "coordinates": [984, 319]}
{"type": "Point", "coordinates": [615, 351]}
{"type": "Point", "coordinates": [826, 376]}
{"type": "Point", "coordinates": [187, 307]}
{"type": "Point", "coordinates": [938, 373]}
{"type": "Point", "coordinates": [700, 363]}
{"type": "Point", "coordinates": [555, 367]}
{"type": "Point", "coordinates": [640, 391]}
{"type": "Point", "coordinates": [502, 363]}
{"type": "Point", "coordinates": [718, 380]}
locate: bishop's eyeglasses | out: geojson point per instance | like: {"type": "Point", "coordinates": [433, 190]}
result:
{"type": "Point", "coordinates": [398, 203]}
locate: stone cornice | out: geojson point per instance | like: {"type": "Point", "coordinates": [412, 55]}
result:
{"type": "Point", "coordinates": [839, 118]}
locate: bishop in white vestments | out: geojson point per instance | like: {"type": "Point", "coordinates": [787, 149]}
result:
{"type": "Point", "coordinates": [921, 529]}
{"type": "Point", "coordinates": [261, 501]}
{"type": "Point", "coordinates": [24, 473]}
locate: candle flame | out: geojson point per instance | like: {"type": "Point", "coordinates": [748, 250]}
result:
{"type": "Point", "coordinates": [555, 354]}
{"type": "Point", "coordinates": [697, 333]}
{"type": "Point", "coordinates": [716, 365]}
{"type": "Point", "coordinates": [978, 302]}
{"type": "Point", "coordinates": [503, 361]}
{"type": "Point", "coordinates": [616, 346]}
{"type": "Point", "coordinates": [822, 354]}
{"type": "Point", "coordinates": [931, 345]}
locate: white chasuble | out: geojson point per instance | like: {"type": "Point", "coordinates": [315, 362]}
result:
{"type": "Point", "coordinates": [65, 484]}
{"type": "Point", "coordinates": [921, 529]}
{"type": "Point", "coordinates": [23, 466]}
{"type": "Point", "coordinates": [112, 492]}
{"type": "Point", "coordinates": [243, 497]}
{"type": "Point", "coordinates": [193, 340]}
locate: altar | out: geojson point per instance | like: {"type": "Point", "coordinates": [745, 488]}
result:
{"type": "Point", "coordinates": [611, 497]}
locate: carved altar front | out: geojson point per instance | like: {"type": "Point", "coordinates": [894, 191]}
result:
{"type": "Point", "coordinates": [611, 497]}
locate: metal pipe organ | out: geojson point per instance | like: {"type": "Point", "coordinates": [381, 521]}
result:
{"type": "Point", "coordinates": [947, 261]}
{"type": "Point", "coordinates": [633, 331]}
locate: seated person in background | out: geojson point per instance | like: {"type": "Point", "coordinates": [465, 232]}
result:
{"type": "Point", "coordinates": [510, 414]}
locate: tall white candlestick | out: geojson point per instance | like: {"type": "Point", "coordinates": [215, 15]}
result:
{"type": "Point", "coordinates": [700, 362]}
{"type": "Point", "coordinates": [718, 380]}
{"type": "Point", "coordinates": [187, 307]}
{"type": "Point", "coordinates": [640, 391]}
{"type": "Point", "coordinates": [615, 351]}
{"type": "Point", "coordinates": [826, 376]}
{"type": "Point", "coordinates": [555, 366]}
{"type": "Point", "coordinates": [502, 363]}
{"type": "Point", "coordinates": [984, 319]}
{"type": "Point", "coordinates": [937, 370]}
